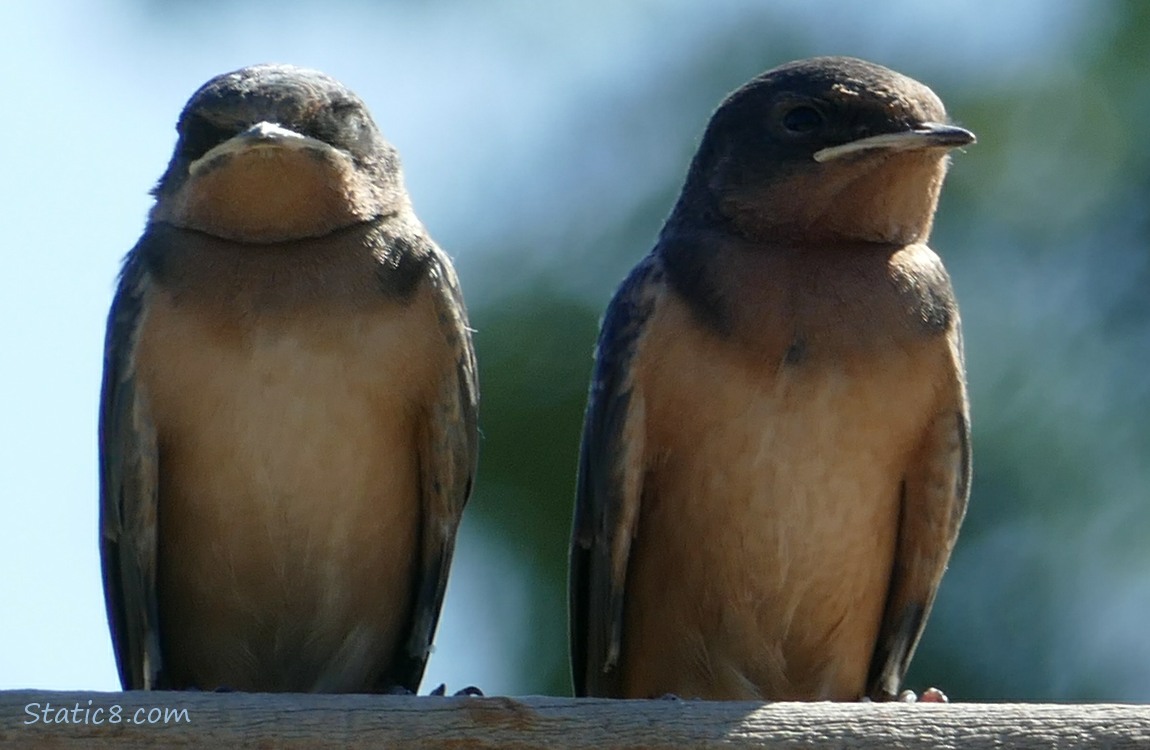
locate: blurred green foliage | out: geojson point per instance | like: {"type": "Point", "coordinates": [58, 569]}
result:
{"type": "Point", "coordinates": [534, 361]}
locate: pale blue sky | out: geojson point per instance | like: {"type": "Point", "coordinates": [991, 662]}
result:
{"type": "Point", "coordinates": [474, 95]}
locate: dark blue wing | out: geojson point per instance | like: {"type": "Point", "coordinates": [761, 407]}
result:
{"type": "Point", "coordinates": [608, 487]}
{"type": "Point", "coordinates": [128, 489]}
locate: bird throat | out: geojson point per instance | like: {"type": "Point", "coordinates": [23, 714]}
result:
{"type": "Point", "coordinates": [266, 194]}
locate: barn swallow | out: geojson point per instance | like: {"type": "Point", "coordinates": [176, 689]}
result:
{"type": "Point", "coordinates": [288, 414]}
{"type": "Point", "coordinates": [776, 456]}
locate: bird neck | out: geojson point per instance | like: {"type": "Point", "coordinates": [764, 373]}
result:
{"type": "Point", "coordinates": [885, 199]}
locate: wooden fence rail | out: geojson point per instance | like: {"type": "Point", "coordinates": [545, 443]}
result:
{"type": "Point", "coordinates": [35, 718]}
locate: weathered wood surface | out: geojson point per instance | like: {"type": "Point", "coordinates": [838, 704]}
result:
{"type": "Point", "coordinates": [227, 720]}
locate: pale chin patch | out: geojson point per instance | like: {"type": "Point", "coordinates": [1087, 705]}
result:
{"type": "Point", "coordinates": [273, 186]}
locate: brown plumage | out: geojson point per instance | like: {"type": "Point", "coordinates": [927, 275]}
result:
{"type": "Point", "coordinates": [288, 419]}
{"type": "Point", "coordinates": [776, 455]}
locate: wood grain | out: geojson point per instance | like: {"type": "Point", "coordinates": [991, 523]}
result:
{"type": "Point", "coordinates": [366, 721]}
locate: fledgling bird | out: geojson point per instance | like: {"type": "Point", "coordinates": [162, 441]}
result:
{"type": "Point", "coordinates": [776, 455]}
{"type": "Point", "coordinates": [288, 415]}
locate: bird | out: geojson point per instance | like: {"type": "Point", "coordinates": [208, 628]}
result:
{"type": "Point", "coordinates": [288, 413]}
{"type": "Point", "coordinates": [775, 459]}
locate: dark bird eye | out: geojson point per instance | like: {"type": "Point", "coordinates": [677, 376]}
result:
{"type": "Point", "coordinates": [200, 135]}
{"type": "Point", "coordinates": [803, 119]}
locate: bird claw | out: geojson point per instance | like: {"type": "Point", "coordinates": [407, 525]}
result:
{"type": "Point", "coordinates": [470, 690]}
{"type": "Point", "coordinates": [930, 695]}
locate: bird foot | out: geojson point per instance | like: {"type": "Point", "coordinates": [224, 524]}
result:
{"type": "Point", "coordinates": [470, 690]}
{"type": "Point", "coordinates": [930, 695]}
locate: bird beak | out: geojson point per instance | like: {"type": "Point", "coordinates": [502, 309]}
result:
{"type": "Point", "coordinates": [262, 135]}
{"type": "Point", "coordinates": [926, 135]}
